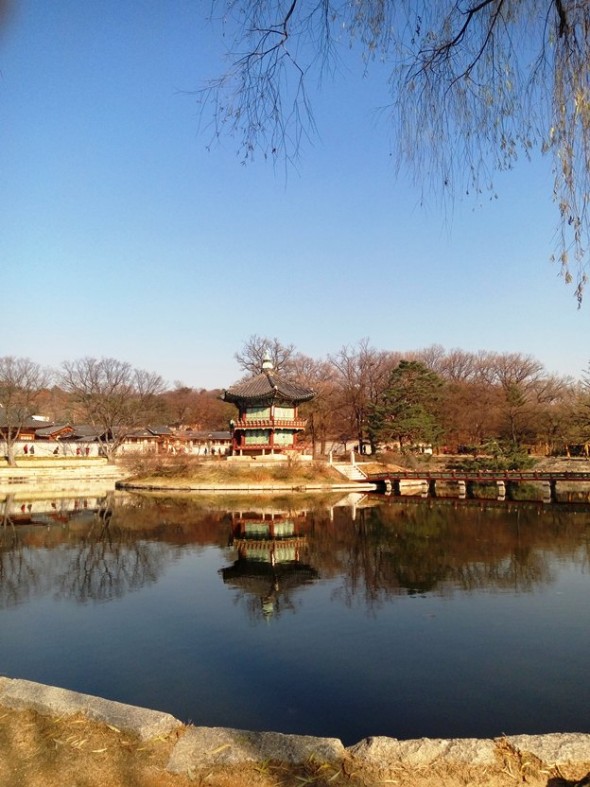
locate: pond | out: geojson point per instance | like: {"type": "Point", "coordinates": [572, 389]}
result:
{"type": "Point", "coordinates": [346, 618]}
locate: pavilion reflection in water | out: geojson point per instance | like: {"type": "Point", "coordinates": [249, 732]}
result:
{"type": "Point", "coordinates": [270, 566]}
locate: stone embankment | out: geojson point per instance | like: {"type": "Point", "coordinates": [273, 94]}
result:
{"type": "Point", "coordinates": [54, 475]}
{"type": "Point", "coordinates": [548, 760]}
{"type": "Point", "coordinates": [232, 486]}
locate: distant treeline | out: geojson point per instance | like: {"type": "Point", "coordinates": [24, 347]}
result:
{"type": "Point", "coordinates": [452, 400]}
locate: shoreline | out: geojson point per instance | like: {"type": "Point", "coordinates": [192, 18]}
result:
{"type": "Point", "coordinates": [53, 475]}
{"type": "Point", "coordinates": [129, 486]}
{"type": "Point", "coordinates": [196, 752]}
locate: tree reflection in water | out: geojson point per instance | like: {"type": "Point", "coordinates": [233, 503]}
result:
{"type": "Point", "coordinates": [20, 572]}
{"type": "Point", "coordinates": [110, 561]}
{"type": "Point", "coordinates": [97, 560]}
{"type": "Point", "coordinates": [372, 553]}
{"type": "Point", "coordinates": [402, 548]}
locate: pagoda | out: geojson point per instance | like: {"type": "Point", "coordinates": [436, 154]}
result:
{"type": "Point", "coordinates": [267, 422]}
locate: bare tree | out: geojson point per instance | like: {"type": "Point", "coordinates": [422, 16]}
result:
{"type": "Point", "coordinates": [553, 409]}
{"type": "Point", "coordinates": [457, 365]}
{"type": "Point", "coordinates": [200, 409]}
{"type": "Point", "coordinates": [113, 397]}
{"type": "Point", "coordinates": [433, 357]}
{"type": "Point", "coordinates": [21, 384]}
{"type": "Point", "coordinates": [467, 98]}
{"type": "Point", "coordinates": [320, 412]}
{"type": "Point", "coordinates": [257, 348]}
{"type": "Point", "coordinates": [581, 419]}
{"type": "Point", "coordinates": [518, 377]}
{"type": "Point", "coordinates": [361, 375]}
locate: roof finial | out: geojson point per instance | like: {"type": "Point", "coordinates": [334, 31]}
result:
{"type": "Point", "coordinates": [266, 362]}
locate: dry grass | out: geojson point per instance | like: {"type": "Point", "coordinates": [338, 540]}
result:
{"type": "Point", "coordinates": [41, 751]}
{"type": "Point", "coordinates": [190, 470]}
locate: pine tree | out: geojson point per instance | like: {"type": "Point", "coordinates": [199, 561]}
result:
{"type": "Point", "coordinates": [407, 410]}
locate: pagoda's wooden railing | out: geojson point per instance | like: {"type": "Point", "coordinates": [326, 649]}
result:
{"type": "Point", "coordinates": [270, 423]}
{"type": "Point", "coordinates": [264, 447]}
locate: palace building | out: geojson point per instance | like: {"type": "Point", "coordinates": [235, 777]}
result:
{"type": "Point", "coordinates": [267, 421]}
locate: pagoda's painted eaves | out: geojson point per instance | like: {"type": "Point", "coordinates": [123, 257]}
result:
{"type": "Point", "coordinates": [267, 387]}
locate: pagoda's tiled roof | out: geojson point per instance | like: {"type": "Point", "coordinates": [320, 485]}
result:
{"type": "Point", "coordinates": [265, 387]}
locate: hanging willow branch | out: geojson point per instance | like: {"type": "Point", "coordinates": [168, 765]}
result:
{"type": "Point", "coordinates": [472, 86]}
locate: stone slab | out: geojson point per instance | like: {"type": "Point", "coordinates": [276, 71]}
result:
{"type": "Point", "coordinates": [385, 752]}
{"type": "Point", "coordinates": [551, 749]}
{"type": "Point", "coordinates": [53, 701]}
{"type": "Point", "coordinates": [554, 748]}
{"type": "Point", "coordinates": [210, 746]}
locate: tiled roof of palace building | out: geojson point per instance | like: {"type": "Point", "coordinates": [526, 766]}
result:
{"type": "Point", "coordinates": [267, 386]}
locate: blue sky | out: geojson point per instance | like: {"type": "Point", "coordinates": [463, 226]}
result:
{"type": "Point", "coordinates": [123, 235]}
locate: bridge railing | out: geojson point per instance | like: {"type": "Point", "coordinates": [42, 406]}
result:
{"type": "Point", "coordinates": [480, 475]}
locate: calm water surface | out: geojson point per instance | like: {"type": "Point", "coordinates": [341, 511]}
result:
{"type": "Point", "coordinates": [393, 617]}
